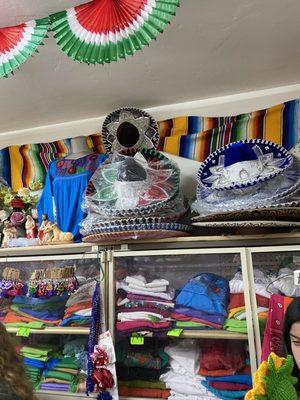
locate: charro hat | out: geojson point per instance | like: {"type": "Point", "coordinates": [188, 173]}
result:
{"type": "Point", "coordinates": [243, 164]}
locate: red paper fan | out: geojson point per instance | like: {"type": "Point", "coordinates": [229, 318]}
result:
{"type": "Point", "coordinates": [18, 43]}
{"type": "Point", "coordinates": [106, 30]}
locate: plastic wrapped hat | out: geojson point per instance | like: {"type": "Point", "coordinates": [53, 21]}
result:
{"type": "Point", "coordinates": [132, 182]}
{"type": "Point", "coordinates": [244, 163]}
{"type": "Point", "coordinates": [128, 128]}
{"type": "Point", "coordinates": [273, 380]}
{"type": "Point", "coordinates": [247, 175]}
{"type": "Point", "coordinates": [135, 194]}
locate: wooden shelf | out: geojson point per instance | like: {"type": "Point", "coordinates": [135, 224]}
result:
{"type": "Point", "coordinates": [57, 249]}
{"type": "Point", "coordinates": [70, 395]}
{"type": "Point", "coordinates": [188, 241]}
{"type": "Point", "coordinates": [208, 334]}
{"type": "Point", "coordinates": [55, 331]}
{"type": "Point", "coordinates": [214, 334]}
{"type": "Point", "coordinates": [209, 241]}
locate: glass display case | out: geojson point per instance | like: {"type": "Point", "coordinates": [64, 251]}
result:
{"type": "Point", "coordinates": [271, 277]}
{"type": "Point", "coordinates": [46, 303]}
{"type": "Point", "coordinates": [163, 303]}
{"type": "Point", "coordinates": [183, 317]}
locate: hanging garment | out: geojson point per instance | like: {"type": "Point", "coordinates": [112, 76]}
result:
{"type": "Point", "coordinates": [273, 332]}
{"type": "Point", "coordinates": [65, 185]}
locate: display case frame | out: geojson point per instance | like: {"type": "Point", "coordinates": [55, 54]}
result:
{"type": "Point", "coordinates": [60, 253]}
{"type": "Point", "coordinates": [114, 254]}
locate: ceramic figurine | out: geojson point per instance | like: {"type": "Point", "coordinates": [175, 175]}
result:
{"type": "Point", "coordinates": [30, 227]}
{"type": "Point", "coordinates": [44, 235]}
{"type": "Point", "coordinates": [9, 232]}
{"type": "Point", "coordinates": [52, 235]}
{"type": "Point", "coordinates": [60, 236]}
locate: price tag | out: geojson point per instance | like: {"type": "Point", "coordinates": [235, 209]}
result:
{"type": "Point", "coordinates": [137, 340]}
{"type": "Point", "coordinates": [24, 332]}
{"type": "Point", "coordinates": [175, 332]}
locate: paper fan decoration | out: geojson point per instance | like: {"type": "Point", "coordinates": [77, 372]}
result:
{"type": "Point", "coordinates": [18, 43]}
{"type": "Point", "coordinates": [102, 31]}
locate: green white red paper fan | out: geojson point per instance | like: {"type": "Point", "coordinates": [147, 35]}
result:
{"type": "Point", "coordinates": [102, 31]}
{"type": "Point", "coordinates": [18, 43]}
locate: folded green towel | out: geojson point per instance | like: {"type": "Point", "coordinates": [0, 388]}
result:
{"type": "Point", "coordinates": [60, 375]}
{"type": "Point", "coordinates": [68, 362]}
{"type": "Point", "coordinates": [234, 325]}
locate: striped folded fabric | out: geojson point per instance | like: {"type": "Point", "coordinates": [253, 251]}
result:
{"type": "Point", "coordinates": [197, 137]}
{"type": "Point", "coordinates": [192, 137]}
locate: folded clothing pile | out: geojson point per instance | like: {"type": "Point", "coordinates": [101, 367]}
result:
{"type": "Point", "coordinates": [36, 359]}
{"type": "Point", "coordinates": [182, 378]}
{"type": "Point", "coordinates": [143, 306]}
{"type": "Point", "coordinates": [224, 365]}
{"type": "Point", "coordinates": [47, 311]}
{"type": "Point", "coordinates": [139, 370]}
{"type": "Point", "coordinates": [78, 348]}
{"type": "Point", "coordinates": [61, 375]}
{"type": "Point", "coordinates": [236, 321]}
{"type": "Point", "coordinates": [202, 303]}
{"type": "Point", "coordinates": [78, 310]}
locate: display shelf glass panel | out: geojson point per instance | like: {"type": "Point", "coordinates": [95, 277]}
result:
{"type": "Point", "coordinates": [271, 278]}
{"type": "Point", "coordinates": [178, 299]}
{"type": "Point", "coordinates": [52, 309]}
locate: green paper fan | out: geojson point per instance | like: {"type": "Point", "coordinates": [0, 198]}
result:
{"type": "Point", "coordinates": [102, 31]}
{"type": "Point", "coordinates": [18, 43]}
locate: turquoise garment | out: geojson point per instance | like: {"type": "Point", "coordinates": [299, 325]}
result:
{"type": "Point", "coordinates": [225, 394]}
{"type": "Point", "coordinates": [65, 185]}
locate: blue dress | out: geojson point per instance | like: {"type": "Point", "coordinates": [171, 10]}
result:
{"type": "Point", "coordinates": [66, 182]}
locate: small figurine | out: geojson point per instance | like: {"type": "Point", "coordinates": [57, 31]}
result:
{"type": "Point", "coordinates": [52, 235]}
{"type": "Point", "coordinates": [44, 234]}
{"type": "Point", "coordinates": [60, 236]}
{"type": "Point", "coordinates": [30, 227]}
{"type": "Point", "coordinates": [9, 232]}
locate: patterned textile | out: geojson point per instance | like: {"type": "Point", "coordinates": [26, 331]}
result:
{"type": "Point", "coordinates": [273, 332]}
{"type": "Point", "coordinates": [197, 137]}
{"type": "Point", "coordinates": [20, 165]}
{"type": "Point", "coordinates": [189, 137]}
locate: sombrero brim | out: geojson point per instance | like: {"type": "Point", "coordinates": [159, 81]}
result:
{"type": "Point", "coordinates": [144, 231]}
{"type": "Point", "coordinates": [272, 213]}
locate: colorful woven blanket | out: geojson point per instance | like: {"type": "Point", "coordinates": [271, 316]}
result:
{"type": "Point", "coordinates": [189, 137]}
{"type": "Point", "coordinates": [20, 165]}
{"type": "Point", "coordinates": [197, 137]}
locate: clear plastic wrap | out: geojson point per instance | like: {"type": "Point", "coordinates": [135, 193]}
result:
{"type": "Point", "coordinates": [274, 192]}
{"type": "Point", "coordinates": [175, 210]}
{"type": "Point", "coordinates": [134, 192]}
{"type": "Point", "coordinates": [127, 184]}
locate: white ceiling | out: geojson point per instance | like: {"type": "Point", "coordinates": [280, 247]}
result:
{"type": "Point", "coordinates": [211, 48]}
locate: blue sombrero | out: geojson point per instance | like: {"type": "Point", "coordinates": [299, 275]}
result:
{"type": "Point", "coordinates": [244, 163]}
